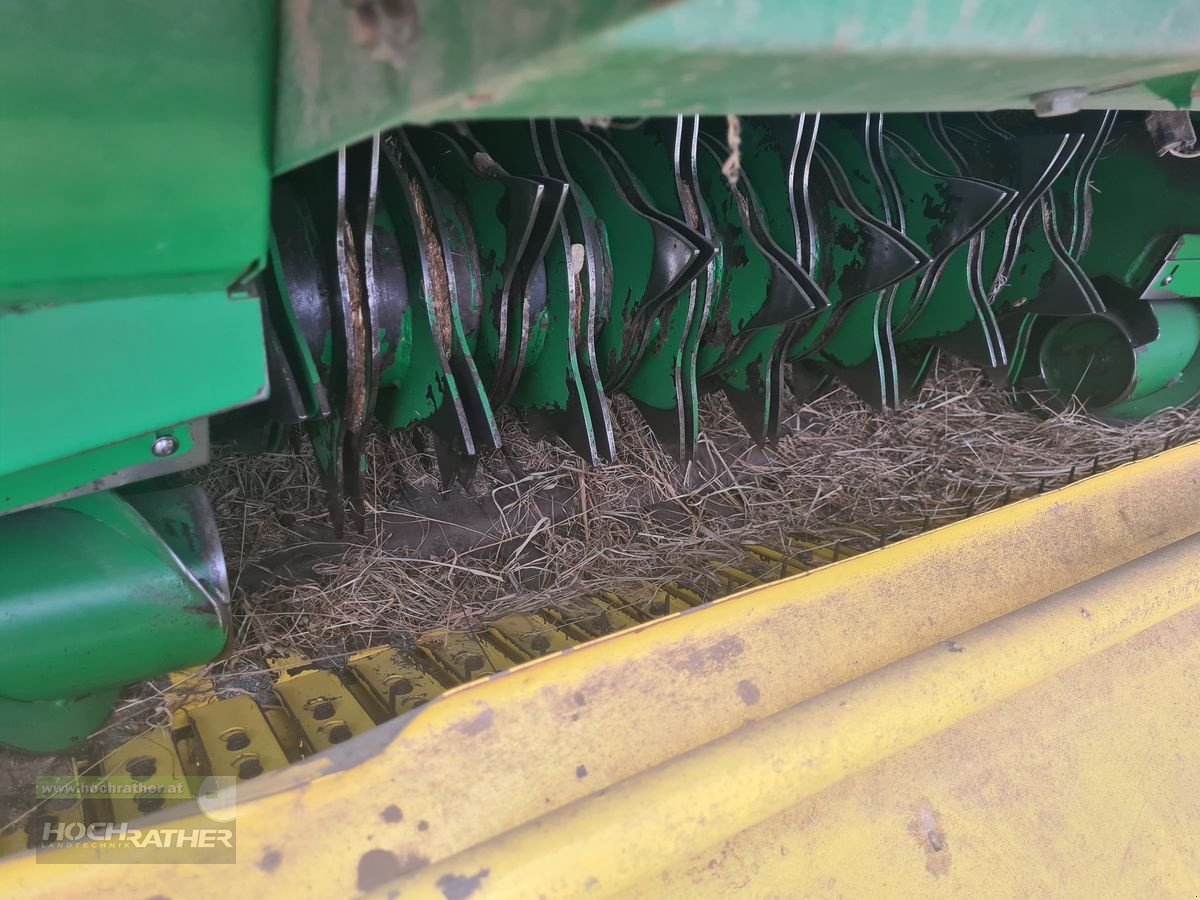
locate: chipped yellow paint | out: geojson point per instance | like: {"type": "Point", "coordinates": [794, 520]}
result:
{"type": "Point", "coordinates": [1084, 785]}
{"type": "Point", "coordinates": [551, 772]}
{"type": "Point", "coordinates": [395, 683]}
{"type": "Point", "coordinates": [657, 819]}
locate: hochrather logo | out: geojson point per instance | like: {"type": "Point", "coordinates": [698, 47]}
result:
{"type": "Point", "coordinates": [193, 820]}
{"type": "Point", "coordinates": [56, 835]}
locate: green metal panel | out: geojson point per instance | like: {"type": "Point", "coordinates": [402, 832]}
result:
{"type": "Point", "coordinates": [106, 467]}
{"type": "Point", "coordinates": [135, 178]}
{"type": "Point", "coordinates": [77, 376]}
{"type": "Point", "coordinates": [135, 156]}
{"type": "Point", "coordinates": [1092, 359]}
{"type": "Point", "coordinates": [342, 76]}
{"type": "Point", "coordinates": [346, 69]}
{"type": "Point", "coordinates": [44, 726]}
{"type": "Point", "coordinates": [124, 609]}
{"type": "Point", "coordinates": [1179, 275]}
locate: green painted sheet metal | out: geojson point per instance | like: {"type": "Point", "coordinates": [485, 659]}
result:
{"type": "Point", "coordinates": [1092, 359]}
{"type": "Point", "coordinates": [1179, 275]}
{"type": "Point", "coordinates": [115, 464]}
{"type": "Point", "coordinates": [344, 73]}
{"type": "Point", "coordinates": [77, 376]}
{"type": "Point", "coordinates": [136, 145]}
{"type": "Point", "coordinates": [135, 178]}
{"type": "Point", "coordinates": [346, 69]}
{"type": "Point", "coordinates": [48, 725]}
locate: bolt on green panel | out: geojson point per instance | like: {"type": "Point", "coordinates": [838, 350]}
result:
{"type": "Point", "coordinates": [77, 376]}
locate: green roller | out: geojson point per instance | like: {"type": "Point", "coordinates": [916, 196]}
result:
{"type": "Point", "coordinates": [95, 593]}
{"type": "Point", "coordinates": [1094, 360]}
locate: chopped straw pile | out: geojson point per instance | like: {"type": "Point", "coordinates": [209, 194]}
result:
{"type": "Point", "coordinates": [536, 527]}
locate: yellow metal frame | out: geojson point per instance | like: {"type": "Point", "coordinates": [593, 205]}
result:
{"type": "Point", "coordinates": [1003, 706]}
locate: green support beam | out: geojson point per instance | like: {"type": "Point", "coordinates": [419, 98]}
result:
{"type": "Point", "coordinates": [346, 70]}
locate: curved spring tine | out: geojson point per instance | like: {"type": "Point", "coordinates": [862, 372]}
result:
{"type": "Point", "coordinates": [460, 259]}
{"type": "Point", "coordinates": [514, 219]}
{"type": "Point", "coordinates": [676, 253]}
{"type": "Point", "coordinates": [430, 394]}
{"type": "Point", "coordinates": [663, 382]}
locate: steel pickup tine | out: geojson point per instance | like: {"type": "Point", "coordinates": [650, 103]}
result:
{"type": "Point", "coordinates": [590, 268]}
{"type": "Point", "coordinates": [696, 214]}
{"type": "Point", "coordinates": [1046, 280]}
{"type": "Point", "coordinates": [434, 333]}
{"type": "Point", "coordinates": [314, 253]}
{"type": "Point", "coordinates": [945, 212]}
{"type": "Point", "coordinates": [513, 217]}
{"type": "Point", "coordinates": [657, 168]}
{"type": "Point", "coordinates": [298, 296]}
{"type": "Point", "coordinates": [550, 389]}
{"type": "Point", "coordinates": [740, 351]}
{"type": "Point", "coordinates": [858, 255]}
{"type": "Point", "coordinates": [887, 255]}
{"type": "Point", "coordinates": [1075, 195]}
{"type": "Point", "coordinates": [680, 251]}
{"type": "Point", "coordinates": [352, 196]}
{"type": "Point", "coordinates": [955, 208]}
{"type": "Point", "coordinates": [460, 259]}
{"type": "Point", "coordinates": [447, 230]}
{"type": "Point", "coordinates": [501, 211]}
{"type": "Point", "coordinates": [386, 282]}
{"type": "Point", "coordinates": [652, 257]}
{"type": "Point", "coordinates": [1040, 159]}
{"type": "Point", "coordinates": [529, 283]}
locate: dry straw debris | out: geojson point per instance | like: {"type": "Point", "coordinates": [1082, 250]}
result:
{"type": "Point", "coordinates": [536, 527]}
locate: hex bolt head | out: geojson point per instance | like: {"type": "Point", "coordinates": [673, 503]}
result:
{"type": "Point", "coordinates": [164, 446]}
{"type": "Point", "coordinates": [1059, 102]}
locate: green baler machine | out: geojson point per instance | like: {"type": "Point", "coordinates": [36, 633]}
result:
{"type": "Point", "coordinates": [249, 219]}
